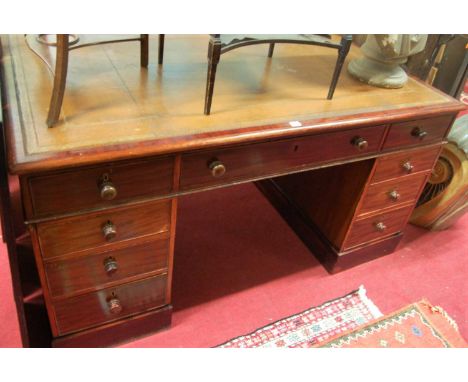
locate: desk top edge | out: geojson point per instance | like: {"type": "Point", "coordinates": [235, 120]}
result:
{"type": "Point", "coordinates": [20, 162]}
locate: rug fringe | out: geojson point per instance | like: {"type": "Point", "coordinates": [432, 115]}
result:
{"type": "Point", "coordinates": [370, 305]}
{"type": "Point", "coordinates": [439, 309]}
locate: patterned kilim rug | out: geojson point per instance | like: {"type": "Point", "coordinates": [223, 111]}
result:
{"type": "Point", "coordinates": [418, 325]}
{"type": "Point", "coordinates": [314, 325]}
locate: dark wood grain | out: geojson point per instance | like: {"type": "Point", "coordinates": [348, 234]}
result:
{"type": "Point", "coordinates": [364, 231]}
{"type": "Point", "coordinates": [84, 232]}
{"type": "Point", "coordinates": [267, 158]}
{"type": "Point", "coordinates": [378, 195]}
{"type": "Point", "coordinates": [79, 190]}
{"type": "Point", "coordinates": [391, 166]}
{"type": "Point", "coordinates": [87, 273]}
{"type": "Point", "coordinates": [91, 309]}
{"type": "Point", "coordinates": [331, 258]}
{"type": "Point", "coordinates": [403, 134]}
{"type": "Point", "coordinates": [120, 331]}
{"type": "Point", "coordinates": [327, 197]}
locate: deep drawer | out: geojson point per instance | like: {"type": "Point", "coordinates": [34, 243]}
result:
{"type": "Point", "coordinates": [391, 193]}
{"type": "Point", "coordinates": [418, 132]}
{"type": "Point", "coordinates": [88, 188]}
{"type": "Point", "coordinates": [92, 272]}
{"type": "Point", "coordinates": [110, 304]}
{"type": "Point", "coordinates": [409, 162]}
{"type": "Point", "coordinates": [206, 169]}
{"type": "Point", "coordinates": [86, 232]}
{"type": "Point", "coordinates": [379, 226]}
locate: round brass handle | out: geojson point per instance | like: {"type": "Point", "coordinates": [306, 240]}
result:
{"type": "Point", "coordinates": [218, 169]}
{"type": "Point", "coordinates": [407, 166]}
{"type": "Point", "coordinates": [108, 190]}
{"type": "Point", "coordinates": [360, 143]}
{"type": "Point", "coordinates": [418, 133]}
{"type": "Point", "coordinates": [115, 306]}
{"type": "Point", "coordinates": [394, 195]}
{"type": "Point", "coordinates": [109, 231]}
{"type": "Point", "coordinates": [380, 226]}
{"type": "Point", "coordinates": [110, 265]}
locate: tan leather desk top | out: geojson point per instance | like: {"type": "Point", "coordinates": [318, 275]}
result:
{"type": "Point", "coordinates": [110, 101]}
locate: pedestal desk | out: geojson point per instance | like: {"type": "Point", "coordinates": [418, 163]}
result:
{"type": "Point", "coordinates": [99, 191]}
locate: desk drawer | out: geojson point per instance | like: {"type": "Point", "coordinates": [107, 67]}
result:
{"type": "Point", "coordinates": [392, 193]}
{"type": "Point", "coordinates": [104, 228]}
{"type": "Point", "coordinates": [379, 226]}
{"type": "Point", "coordinates": [418, 132]}
{"type": "Point", "coordinates": [91, 272]}
{"type": "Point", "coordinates": [110, 304]}
{"type": "Point", "coordinates": [88, 188]}
{"type": "Point", "coordinates": [216, 167]}
{"type": "Point", "coordinates": [409, 162]}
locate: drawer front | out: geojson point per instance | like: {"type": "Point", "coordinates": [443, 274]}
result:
{"type": "Point", "coordinates": [417, 132]}
{"type": "Point", "coordinates": [85, 189]}
{"type": "Point", "coordinates": [92, 272]}
{"type": "Point", "coordinates": [366, 230]}
{"type": "Point", "coordinates": [405, 163]}
{"type": "Point", "coordinates": [265, 159]}
{"type": "Point", "coordinates": [101, 229]}
{"type": "Point", "coordinates": [110, 304]}
{"type": "Point", "coordinates": [391, 193]}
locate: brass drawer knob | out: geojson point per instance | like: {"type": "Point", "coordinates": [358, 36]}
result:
{"type": "Point", "coordinates": [360, 143]}
{"type": "Point", "coordinates": [110, 265]}
{"type": "Point", "coordinates": [394, 195]}
{"type": "Point", "coordinates": [380, 227]}
{"type": "Point", "coordinates": [407, 166]}
{"type": "Point", "coordinates": [418, 133]}
{"type": "Point", "coordinates": [107, 189]}
{"type": "Point", "coordinates": [217, 168]}
{"type": "Point", "coordinates": [115, 306]}
{"type": "Point", "coordinates": [109, 230]}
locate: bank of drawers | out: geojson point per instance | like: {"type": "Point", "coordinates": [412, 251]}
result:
{"type": "Point", "coordinates": [96, 274]}
{"type": "Point", "coordinates": [389, 199]}
{"type": "Point", "coordinates": [103, 234]}
{"type": "Point", "coordinates": [106, 265]}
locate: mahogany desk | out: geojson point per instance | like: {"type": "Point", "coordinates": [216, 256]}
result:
{"type": "Point", "coordinates": [99, 191]}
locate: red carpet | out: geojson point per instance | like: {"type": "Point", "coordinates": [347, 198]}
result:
{"type": "Point", "coordinates": [238, 267]}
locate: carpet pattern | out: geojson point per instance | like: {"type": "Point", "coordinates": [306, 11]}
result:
{"type": "Point", "coordinates": [419, 325]}
{"type": "Point", "coordinates": [314, 325]}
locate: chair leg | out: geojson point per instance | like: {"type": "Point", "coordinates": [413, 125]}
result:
{"type": "Point", "coordinates": [144, 47]}
{"type": "Point", "coordinates": [60, 79]}
{"type": "Point", "coordinates": [161, 49]}
{"type": "Point", "coordinates": [271, 49]}
{"type": "Point", "coordinates": [342, 53]}
{"type": "Point", "coordinates": [214, 53]}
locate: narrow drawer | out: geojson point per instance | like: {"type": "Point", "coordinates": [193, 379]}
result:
{"type": "Point", "coordinates": [418, 132]}
{"type": "Point", "coordinates": [409, 162]}
{"type": "Point", "coordinates": [263, 159]}
{"type": "Point", "coordinates": [88, 188]}
{"type": "Point", "coordinates": [110, 304]}
{"type": "Point", "coordinates": [391, 193]}
{"type": "Point", "coordinates": [376, 227]}
{"type": "Point", "coordinates": [92, 272]}
{"type": "Point", "coordinates": [101, 229]}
